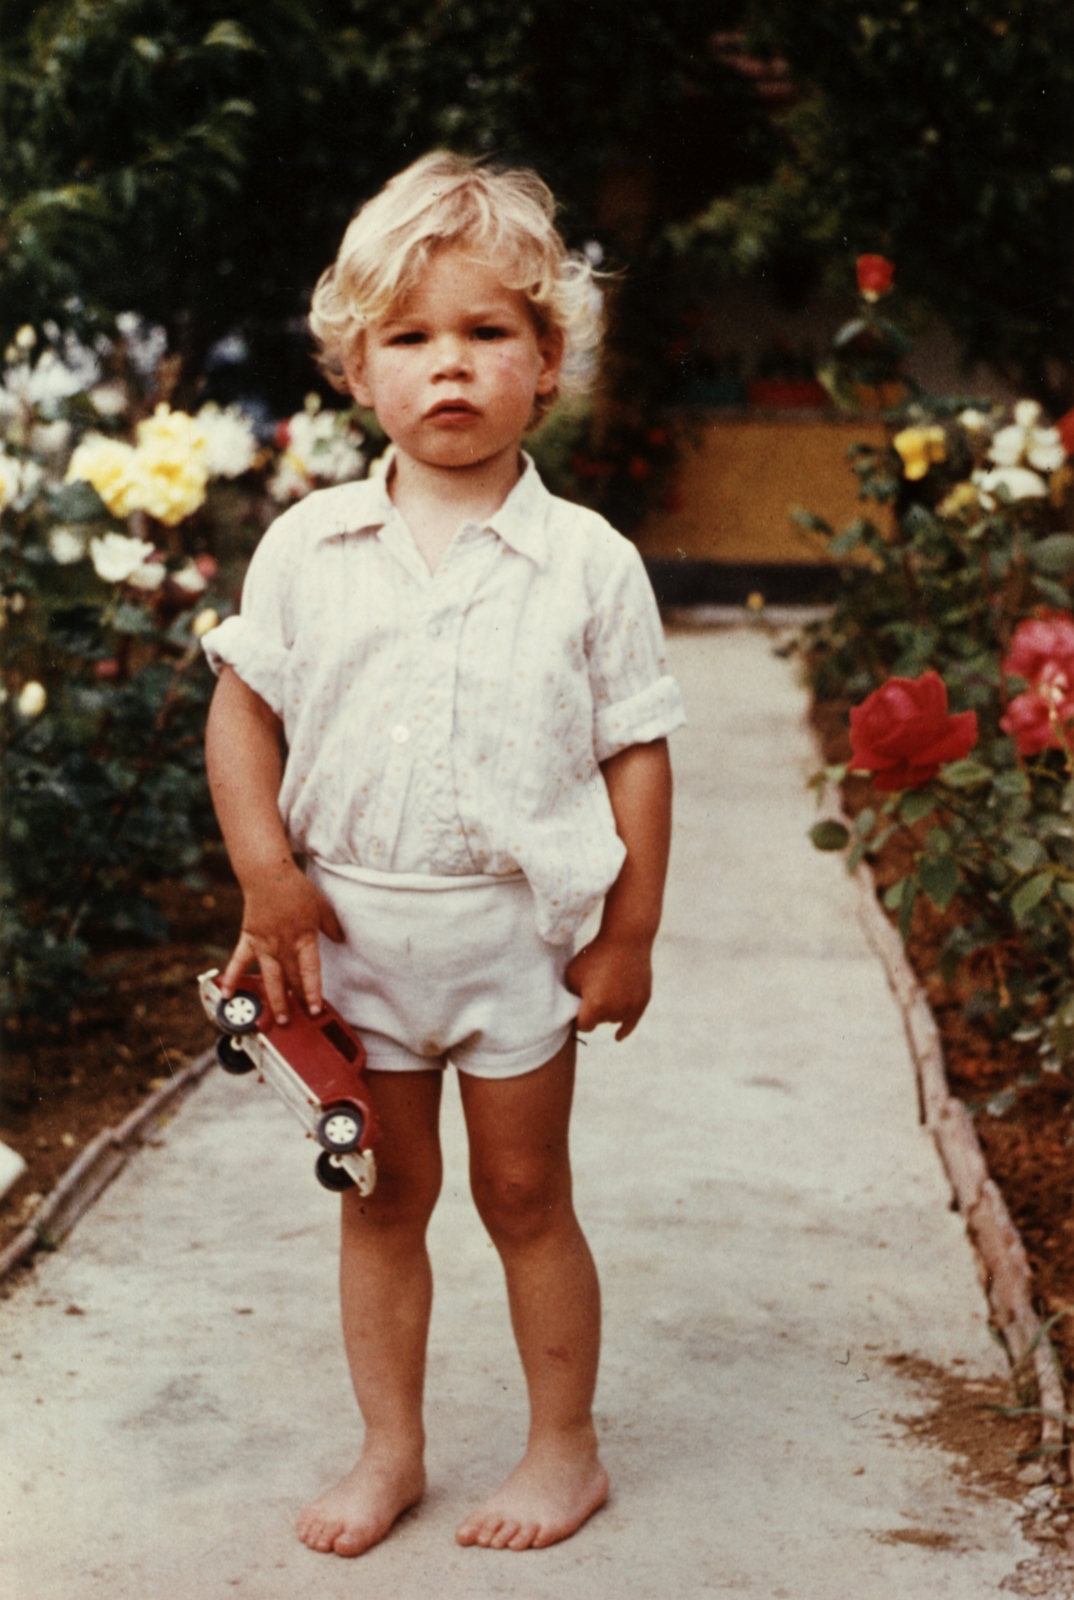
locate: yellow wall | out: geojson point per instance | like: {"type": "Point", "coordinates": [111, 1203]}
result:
{"type": "Point", "coordinates": [739, 479]}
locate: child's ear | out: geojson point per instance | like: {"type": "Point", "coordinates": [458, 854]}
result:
{"type": "Point", "coordinates": [550, 348]}
{"type": "Point", "coordinates": [354, 372]}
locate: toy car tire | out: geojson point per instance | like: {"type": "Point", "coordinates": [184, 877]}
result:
{"type": "Point", "coordinates": [330, 1176]}
{"type": "Point", "coordinates": [340, 1129]}
{"type": "Point", "coordinates": [239, 1012]}
{"type": "Point", "coordinates": [232, 1057]}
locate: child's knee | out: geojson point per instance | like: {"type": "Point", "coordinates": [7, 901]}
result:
{"type": "Point", "coordinates": [519, 1200]}
{"type": "Point", "coordinates": [400, 1199]}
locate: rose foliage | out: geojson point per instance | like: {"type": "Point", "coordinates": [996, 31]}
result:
{"type": "Point", "coordinates": [124, 528]}
{"type": "Point", "coordinates": [953, 640]}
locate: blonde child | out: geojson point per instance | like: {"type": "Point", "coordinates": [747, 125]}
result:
{"type": "Point", "coordinates": [469, 679]}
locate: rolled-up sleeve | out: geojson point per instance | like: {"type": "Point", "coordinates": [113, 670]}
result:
{"type": "Point", "coordinates": [635, 698]}
{"type": "Point", "coordinates": [257, 642]}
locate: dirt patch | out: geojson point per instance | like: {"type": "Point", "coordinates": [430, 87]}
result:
{"type": "Point", "coordinates": [1024, 1117]}
{"type": "Point", "coordinates": [971, 1420]}
{"type": "Point", "coordinates": [61, 1085]}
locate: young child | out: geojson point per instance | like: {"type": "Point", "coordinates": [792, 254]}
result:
{"type": "Point", "coordinates": [468, 676]}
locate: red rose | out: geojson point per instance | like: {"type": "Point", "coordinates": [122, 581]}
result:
{"type": "Point", "coordinates": [875, 276]}
{"type": "Point", "coordinates": [282, 435]}
{"type": "Point", "coordinates": [1043, 647]}
{"type": "Point", "coordinates": [903, 733]}
{"type": "Point", "coordinates": [1030, 723]}
{"type": "Point", "coordinates": [206, 565]}
{"type": "Point", "coordinates": [1065, 426]}
{"type": "Point", "coordinates": [106, 669]}
{"type": "Point", "coordinates": [639, 468]}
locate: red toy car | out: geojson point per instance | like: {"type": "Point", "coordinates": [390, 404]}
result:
{"type": "Point", "coordinates": [316, 1066]}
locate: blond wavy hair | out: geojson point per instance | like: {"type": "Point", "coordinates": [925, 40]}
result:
{"type": "Point", "coordinates": [504, 216]}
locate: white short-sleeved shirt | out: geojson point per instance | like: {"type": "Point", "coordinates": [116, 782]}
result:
{"type": "Point", "coordinates": [453, 722]}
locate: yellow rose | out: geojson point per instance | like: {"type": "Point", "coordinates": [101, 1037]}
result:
{"type": "Point", "coordinates": [962, 497]}
{"type": "Point", "coordinates": [108, 465]}
{"type": "Point", "coordinates": [920, 448]}
{"type": "Point", "coordinates": [172, 465]}
{"type": "Point", "coordinates": [204, 623]}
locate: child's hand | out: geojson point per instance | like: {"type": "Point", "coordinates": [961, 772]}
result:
{"type": "Point", "coordinates": [614, 979]}
{"type": "Point", "coordinates": [280, 923]}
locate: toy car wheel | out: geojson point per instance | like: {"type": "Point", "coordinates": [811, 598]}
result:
{"type": "Point", "coordinates": [340, 1129]}
{"type": "Point", "coordinates": [332, 1176]}
{"type": "Point", "coordinates": [239, 1012]}
{"type": "Point", "coordinates": [232, 1057]}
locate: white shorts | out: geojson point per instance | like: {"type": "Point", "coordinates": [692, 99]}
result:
{"type": "Point", "coordinates": [441, 969]}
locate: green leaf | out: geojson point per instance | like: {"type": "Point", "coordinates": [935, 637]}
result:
{"type": "Point", "coordinates": [939, 878]}
{"type": "Point", "coordinates": [75, 502]}
{"type": "Point", "coordinates": [1054, 593]}
{"type": "Point", "coordinates": [965, 774]}
{"type": "Point", "coordinates": [1031, 894]}
{"type": "Point", "coordinates": [1065, 890]}
{"type": "Point", "coordinates": [906, 909]}
{"type": "Point", "coordinates": [1053, 555]}
{"type": "Point", "coordinates": [829, 835]}
{"type": "Point", "coordinates": [809, 519]}
{"type": "Point", "coordinates": [848, 540]}
{"type": "Point", "coordinates": [1024, 853]}
{"type": "Point", "coordinates": [893, 896]}
{"type": "Point", "coordinates": [916, 805]}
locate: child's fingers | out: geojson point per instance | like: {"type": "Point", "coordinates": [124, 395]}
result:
{"type": "Point", "coordinates": [309, 973]}
{"type": "Point", "coordinates": [275, 988]}
{"type": "Point", "coordinates": [242, 958]}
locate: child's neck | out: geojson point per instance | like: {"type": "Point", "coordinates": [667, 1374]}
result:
{"type": "Point", "coordinates": [436, 501]}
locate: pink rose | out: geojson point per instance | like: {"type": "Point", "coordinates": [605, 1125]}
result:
{"type": "Point", "coordinates": [903, 733]}
{"type": "Point", "coordinates": [1041, 643]}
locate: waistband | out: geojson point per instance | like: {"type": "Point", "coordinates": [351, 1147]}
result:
{"type": "Point", "coordinates": [417, 880]}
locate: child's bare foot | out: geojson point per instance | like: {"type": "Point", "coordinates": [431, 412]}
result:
{"type": "Point", "coordinates": [362, 1506]}
{"type": "Point", "coordinates": [551, 1492]}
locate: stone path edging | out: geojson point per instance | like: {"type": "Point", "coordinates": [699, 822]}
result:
{"type": "Point", "coordinates": [94, 1168]}
{"type": "Point", "coordinates": [1003, 1265]}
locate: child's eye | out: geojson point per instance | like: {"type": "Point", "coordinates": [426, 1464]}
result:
{"type": "Point", "coordinates": [415, 336]}
{"type": "Point", "coordinates": [490, 331]}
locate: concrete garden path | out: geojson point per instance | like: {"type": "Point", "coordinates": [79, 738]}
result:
{"type": "Point", "coordinates": [770, 1222]}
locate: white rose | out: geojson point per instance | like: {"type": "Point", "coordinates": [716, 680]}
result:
{"type": "Point", "coordinates": [232, 445]}
{"type": "Point", "coordinates": [190, 580]}
{"type": "Point", "coordinates": [108, 400]}
{"type": "Point", "coordinates": [32, 699]}
{"type": "Point", "coordinates": [66, 546]}
{"type": "Point", "coordinates": [149, 576]}
{"type": "Point", "coordinates": [115, 556]}
{"type": "Point", "coordinates": [1018, 482]}
{"type": "Point", "coordinates": [1022, 441]}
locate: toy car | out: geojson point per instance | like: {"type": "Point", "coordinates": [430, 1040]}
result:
{"type": "Point", "coordinates": [316, 1066]}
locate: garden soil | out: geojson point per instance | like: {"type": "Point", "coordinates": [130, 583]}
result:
{"type": "Point", "coordinates": [60, 1085]}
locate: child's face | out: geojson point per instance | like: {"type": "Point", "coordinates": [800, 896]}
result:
{"type": "Point", "coordinates": [453, 371]}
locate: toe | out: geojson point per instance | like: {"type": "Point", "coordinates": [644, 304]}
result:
{"type": "Point", "coordinates": [525, 1537]}
{"type": "Point", "coordinates": [503, 1535]}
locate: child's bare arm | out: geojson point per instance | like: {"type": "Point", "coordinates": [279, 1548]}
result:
{"type": "Point", "coordinates": [613, 974]}
{"type": "Point", "coordinates": [282, 911]}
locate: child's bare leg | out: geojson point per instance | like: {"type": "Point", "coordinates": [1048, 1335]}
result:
{"type": "Point", "coordinates": [386, 1293]}
{"type": "Point", "coordinates": [520, 1174]}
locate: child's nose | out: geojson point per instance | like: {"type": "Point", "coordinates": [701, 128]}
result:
{"type": "Point", "coordinates": [451, 356]}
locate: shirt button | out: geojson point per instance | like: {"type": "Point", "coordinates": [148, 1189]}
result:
{"type": "Point", "coordinates": [400, 734]}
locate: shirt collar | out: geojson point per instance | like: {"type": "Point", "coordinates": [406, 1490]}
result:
{"type": "Point", "coordinates": [519, 522]}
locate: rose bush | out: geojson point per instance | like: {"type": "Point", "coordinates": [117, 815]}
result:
{"type": "Point", "coordinates": [962, 596]}
{"type": "Point", "coordinates": [125, 525]}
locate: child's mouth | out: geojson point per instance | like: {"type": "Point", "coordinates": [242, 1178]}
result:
{"type": "Point", "coordinates": [449, 409]}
